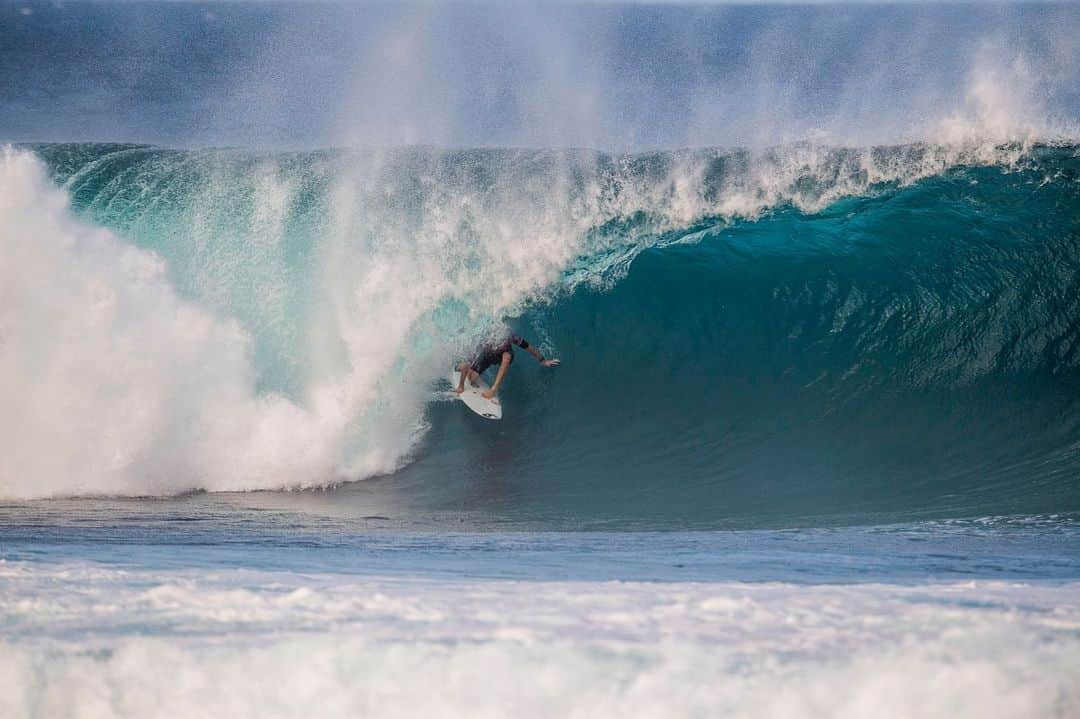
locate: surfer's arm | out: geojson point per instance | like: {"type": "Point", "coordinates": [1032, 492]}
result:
{"type": "Point", "coordinates": [540, 358]}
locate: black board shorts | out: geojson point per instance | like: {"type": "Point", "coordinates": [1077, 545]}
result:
{"type": "Point", "coordinates": [490, 357]}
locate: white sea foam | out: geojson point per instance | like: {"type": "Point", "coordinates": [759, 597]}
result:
{"type": "Point", "coordinates": [111, 382]}
{"type": "Point", "coordinates": [87, 641]}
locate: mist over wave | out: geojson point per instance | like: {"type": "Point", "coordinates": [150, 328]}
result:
{"type": "Point", "coordinates": [623, 77]}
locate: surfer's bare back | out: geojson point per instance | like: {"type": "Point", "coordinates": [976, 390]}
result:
{"type": "Point", "coordinates": [501, 354]}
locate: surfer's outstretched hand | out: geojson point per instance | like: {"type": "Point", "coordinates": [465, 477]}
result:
{"type": "Point", "coordinates": [551, 363]}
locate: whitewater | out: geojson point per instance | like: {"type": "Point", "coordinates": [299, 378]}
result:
{"type": "Point", "coordinates": [813, 274]}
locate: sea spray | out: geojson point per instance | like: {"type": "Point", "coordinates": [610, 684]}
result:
{"type": "Point", "coordinates": [115, 385]}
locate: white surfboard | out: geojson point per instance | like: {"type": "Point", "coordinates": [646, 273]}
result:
{"type": "Point", "coordinates": [486, 408]}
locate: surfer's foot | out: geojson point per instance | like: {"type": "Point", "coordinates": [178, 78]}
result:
{"type": "Point", "coordinates": [488, 394]}
{"type": "Point", "coordinates": [459, 390]}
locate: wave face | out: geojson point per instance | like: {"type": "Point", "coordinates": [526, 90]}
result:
{"type": "Point", "coordinates": [747, 337]}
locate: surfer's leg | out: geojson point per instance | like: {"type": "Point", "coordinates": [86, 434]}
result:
{"type": "Point", "coordinates": [481, 363]}
{"type": "Point", "coordinates": [507, 358]}
{"type": "Point", "coordinates": [464, 370]}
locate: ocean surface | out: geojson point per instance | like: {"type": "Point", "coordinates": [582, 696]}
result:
{"type": "Point", "coordinates": [813, 274]}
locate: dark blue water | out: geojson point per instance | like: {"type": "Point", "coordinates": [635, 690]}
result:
{"type": "Point", "coordinates": [295, 534]}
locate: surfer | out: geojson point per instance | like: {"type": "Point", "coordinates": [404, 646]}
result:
{"type": "Point", "coordinates": [501, 354]}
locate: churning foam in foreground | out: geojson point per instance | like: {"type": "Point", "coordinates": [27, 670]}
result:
{"type": "Point", "coordinates": [277, 644]}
